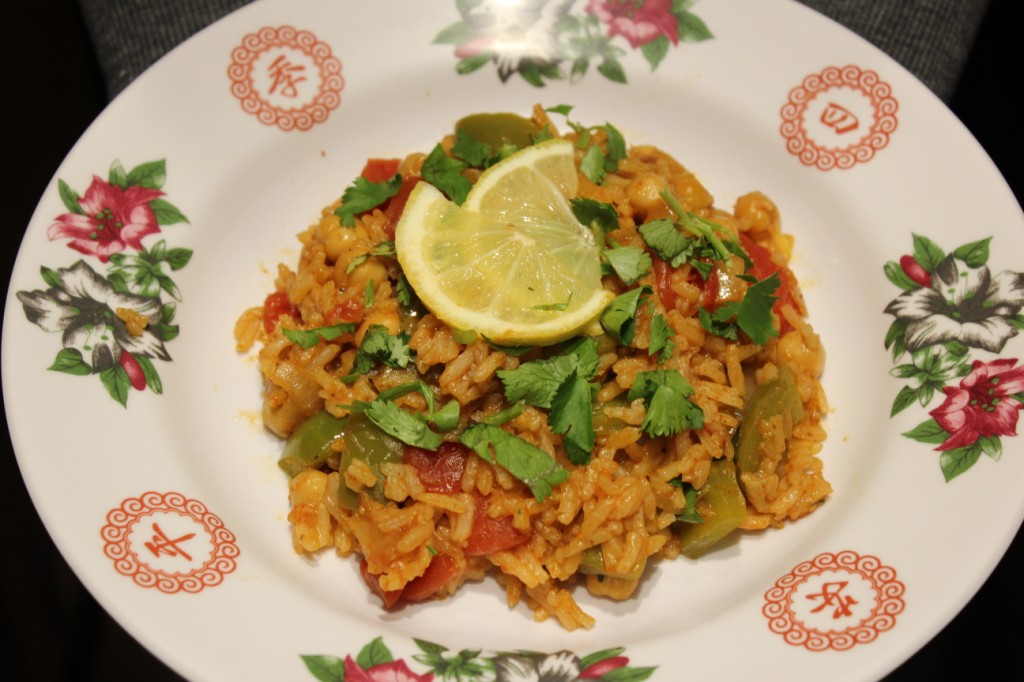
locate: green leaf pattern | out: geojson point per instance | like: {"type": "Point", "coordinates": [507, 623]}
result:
{"type": "Point", "coordinates": [107, 306]}
{"type": "Point", "coordinates": [560, 40]}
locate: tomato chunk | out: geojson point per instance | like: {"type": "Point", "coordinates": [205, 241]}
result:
{"type": "Point", "coordinates": [765, 267]}
{"type": "Point", "coordinates": [663, 283]}
{"type": "Point", "coordinates": [390, 597]}
{"type": "Point", "coordinates": [440, 571]}
{"type": "Point", "coordinates": [440, 471]}
{"type": "Point", "coordinates": [379, 170]}
{"type": "Point", "coordinates": [274, 306]}
{"type": "Point", "coordinates": [349, 310]}
{"type": "Point", "coordinates": [491, 535]}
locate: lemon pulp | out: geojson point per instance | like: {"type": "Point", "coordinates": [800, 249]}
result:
{"type": "Point", "coordinates": [513, 263]}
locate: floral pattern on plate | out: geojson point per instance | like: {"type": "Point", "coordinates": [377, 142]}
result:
{"type": "Point", "coordinates": [375, 663]}
{"type": "Point", "coordinates": [116, 321]}
{"type": "Point", "coordinates": [951, 309]}
{"type": "Point", "coordinates": [535, 39]}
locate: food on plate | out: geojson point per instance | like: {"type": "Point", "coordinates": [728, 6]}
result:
{"type": "Point", "coordinates": [540, 354]}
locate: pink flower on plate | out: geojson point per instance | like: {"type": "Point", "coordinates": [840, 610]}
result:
{"type": "Point", "coordinates": [638, 21]}
{"type": "Point", "coordinates": [395, 671]}
{"type": "Point", "coordinates": [982, 405]}
{"type": "Point", "coordinates": [112, 219]}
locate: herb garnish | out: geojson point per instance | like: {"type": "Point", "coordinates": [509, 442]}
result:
{"type": "Point", "coordinates": [666, 393]}
{"type": "Point", "coordinates": [445, 173]}
{"type": "Point", "coordinates": [307, 338]}
{"type": "Point", "coordinates": [362, 196]}
{"type": "Point", "coordinates": [528, 463]}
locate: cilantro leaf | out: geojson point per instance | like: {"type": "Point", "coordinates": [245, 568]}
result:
{"type": "Point", "coordinates": [597, 215]}
{"type": "Point", "coordinates": [536, 382]}
{"type": "Point", "coordinates": [378, 345]}
{"type": "Point", "coordinates": [585, 350]}
{"type": "Point", "coordinates": [445, 173]}
{"type": "Point", "coordinates": [368, 295]}
{"type": "Point", "coordinates": [506, 415]}
{"type": "Point", "coordinates": [562, 109]}
{"type": "Point", "coordinates": [402, 425]}
{"type": "Point", "coordinates": [445, 419]}
{"type": "Point", "coordinates": [667, 242]}
{"type": "Point", "coordinates": [690, 494]}
{"type": "Point", "coordinates": [572, 416]}
{"type": "Point", "coordinates": [386, 249]}
{"type": "Point", "coordinates": [616, 145]}
{"type": "Point", "coordinates": [479, 154]}
{"type": "Point", "coordinates": [666, 393]}
{"type": "Point", "coordinates": [528, 463]}
{"type": "Point", "coordinates": [404, 292]}
{"type": "Point", "coordinates": [307, 338]}
{"type": "Point", "coordinates": [755, 312]}
{"type": "Point", "coordinates": [592, 165]}
{"type": "Point", "coordinates": [554, 307]}
{"type": "Point", "coordinates": [660, 338]}
{"type": "Point", "coordinates": [619, 318]}
{"type": "Point", "coordinates": [717, 323]}
{"type": "Point", "coordinates": [470, 150]}
{"type": "Point", "coordinates": [362, 196]}
{"type": "Point", "coordinates": [630, 263]}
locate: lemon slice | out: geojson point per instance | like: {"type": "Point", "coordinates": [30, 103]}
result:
{"type": "Point", "coordinates": [513, 263]}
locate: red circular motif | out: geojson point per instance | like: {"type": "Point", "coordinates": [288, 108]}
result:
{"type": "Point", "coordinates": [213, 547]}
{"type": "Point", "coordinates": [294, 91]}
{"type": "Point", "coordinates": [804, 617]}
{"type": "Point", "coordinates": [834, 136]}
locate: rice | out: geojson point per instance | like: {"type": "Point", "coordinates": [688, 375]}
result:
{"type": "Point", "coordinates": [422, 523]}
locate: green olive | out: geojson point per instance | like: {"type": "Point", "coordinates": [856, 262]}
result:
{"type": "Point", "coordinates": [498, 130]}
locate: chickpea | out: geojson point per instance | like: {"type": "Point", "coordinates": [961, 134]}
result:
{"type": "Point", "coordinates": [644, 193]}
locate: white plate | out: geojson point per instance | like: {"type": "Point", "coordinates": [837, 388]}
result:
{"type": "Point", "coordinates": [267, 115]}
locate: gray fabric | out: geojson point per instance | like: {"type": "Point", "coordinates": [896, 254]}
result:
{"type": "Point", "coordinates": [931, 38]}
{"type": "Point", "coordinates": [130, 35]}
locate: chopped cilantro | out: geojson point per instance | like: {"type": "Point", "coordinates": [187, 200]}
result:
{"type": "Point", "coordinates": [619, 318]}
{"type": "Point", "coordinates": [660, 338]}
{"type": "Point", "coordinates": [554, 307]}
{"type": "Point", "coordinates": [476, 153]}
{"type": "Point", "coordinates": [690, 494]}
{"type": "Point", "coordinates": [385, 249]}
{"type": "Point", "coordinates": [592, 165]}
{"type": "Point", "coordinates": [378, 345]}
{"type": "Point", "coordinates": [717, 323]}
{"type": "Point", "coordinates": [526, 462]}
{"type": "Point", "coordinates": [585, 350]}
{"type": "Point", "coordinates": [616, 145]}
{"type": "Point", "coordinates": [363, 195]}
{"type": "Point", "coordinates": [666, 393]}
{"type": "Point", "coordinates": [310, 337]}
{"type": "Point", "coordinates": [402, 425]}
{"type": "Point", "coordinates": [537, 381]}
{"type": "Point", "coordinates": [755, 313]}
{"type": "Point", "coordinates": [445, 419]}
{"type": "Point", "coordinates": [445, 173]}
{"type": "Point", "coordinates": [602, 218]}
{"type": "Point", "coordinates": [368, 295]}
{"type": "Point", "coordinates": [630, 263]}
{"type": "Point", "coordinates": [562, 109]}
{"type": "Point", "coordinates": [506, 415]}
{"type": "Point", "coordinates": [572, 416]}
{"type": "Point", "coordinates": [404, 292]}
{"type": "Point", "coordinates": [667, 242]}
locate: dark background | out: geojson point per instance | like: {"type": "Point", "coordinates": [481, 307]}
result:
{"type": "Point", "coordinates": [54, 630]}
